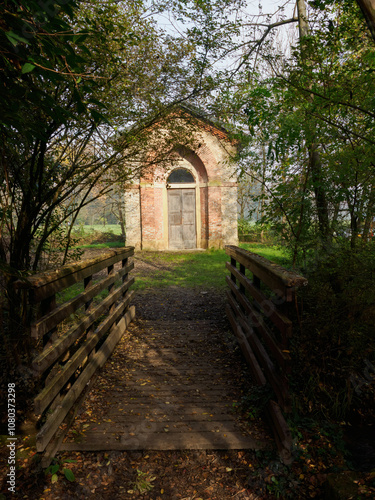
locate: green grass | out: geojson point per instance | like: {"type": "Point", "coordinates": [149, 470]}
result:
{"type": "Point", "coordinates": [274, 253]}
{"type": "Point", "coordinates": [108, 228]}
{"type": "Point", "coordinates": [198, 269]}
{"type": "Point", "coordinates": [108, 244]}
{"type": "Point", "coordinates": [184, 269]}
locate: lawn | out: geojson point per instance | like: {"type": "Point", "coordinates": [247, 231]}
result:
{"type": "Point", "coordinates": [192, 269]}
{"type": "Point", "coordinates": [108, 228]}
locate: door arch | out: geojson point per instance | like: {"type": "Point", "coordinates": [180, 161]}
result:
{"type": "Point", "coordinates": [181, 209]}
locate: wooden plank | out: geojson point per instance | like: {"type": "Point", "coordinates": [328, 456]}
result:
{"type": "Point", "coordinates": [61, 312]}
{"type": "Point", "coordinates": [283, 436]}
{"type": "Point", "coordinates": [43, 285]}
{"type": "Point", "coordinates": [166, 441]}
{"type": "Point", "coordinates": [274, 275]}
{"type": "Point", "coordinates": [257, 322]}
{"type": "Point", "coordinates": [277, 381]}
{"type": "Point", "coordinates": [255, 369]}
{"type": "Point", "coordinates": [282, 323]}
{"type": "Point", "coordinates": [50, 355]}
{"type": "Point", "coordinates": [44, 398]}
{"type": "Point", "coordinates": [54, 445]}
{"type": "Point", "coordinates": [54, 421]}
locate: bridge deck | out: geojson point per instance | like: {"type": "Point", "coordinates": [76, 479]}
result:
{"type": "Point", "coordinates": [168, 385]}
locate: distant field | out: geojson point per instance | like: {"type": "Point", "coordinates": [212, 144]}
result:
{"type": "Point", "coordinates": [108, 228]}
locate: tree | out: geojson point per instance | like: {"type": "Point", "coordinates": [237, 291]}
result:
{"type": "Point", "coordinates": [82, 85]}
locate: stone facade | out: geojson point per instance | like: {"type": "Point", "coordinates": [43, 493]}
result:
{"type": "Point", "coordinates": [150, 222]}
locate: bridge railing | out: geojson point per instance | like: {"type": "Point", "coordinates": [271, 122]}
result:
{"type": "Point", "coordinates": [76, 334]}
{"type": "Point", "coordinates": [260, 297]}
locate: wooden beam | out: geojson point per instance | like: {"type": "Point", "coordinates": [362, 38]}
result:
{"type": "Point", "coordinates": [50, 355]}
{"type": "Point", "coordinates": [46, 284]}
{"type": "Point", "coordinates": [44, 398]}
{"type": "Point", "coordinates": [282, 323]}
{"type": "Point", "coordinates": [277, 381]}
{"type": "Point", "coordinates": [49, 321]}
{"type": "Point", "coordinates": [98, 360]}
{"type": "Point", "coordinates": [54, 445]}
{"type": "Point", "coordinates": [255, 369]}
{"type": "Point", "coordinates": [283, 436]}
{"type": "Point", "coordinates": [273, 275]}
{"type": "Point", "coordinates": [257, 322]}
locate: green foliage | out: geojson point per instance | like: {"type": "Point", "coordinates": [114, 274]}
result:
{"type": "Point", "coordinates": [310, 128]}
{"type": "Point", "coordinates": [249, 231]}
{"type": "Point", "coordinates": [143, 483]}
{"type": "Point", "coordinates": [336, 346]}
{"type": "Point", "coordinates": [57, 468]}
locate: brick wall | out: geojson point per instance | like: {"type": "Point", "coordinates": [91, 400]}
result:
{"type": "Point", "coordinates": [216, 182]}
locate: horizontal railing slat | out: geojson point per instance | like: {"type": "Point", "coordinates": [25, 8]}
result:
{"type": "Point", "coordinates": [257, 321]}
{"type": "Point", "coordinates": [52, 424]}
{"type": "Point", "coordinates": [42, 401]}
{"type": "Point", "coordinates": [276, 380]}
{"type": "Point", "coordinates": [280, 280]}
{"type": "Point", "coordinates": [49, 321]}
{"type": "Point", "coordinates": [44, 398]}
{"type": "Point", "coordinates": [256, 370]}
{"type": "Point", "coordinates": [50, 355]}
{"type": "Point", "coordinates": [278, 319]}
{"type": "Point", "coordinates": [47, 284]}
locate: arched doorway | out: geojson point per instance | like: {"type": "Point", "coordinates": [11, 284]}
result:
{"type": "Point", "coordinates": [181, 209]}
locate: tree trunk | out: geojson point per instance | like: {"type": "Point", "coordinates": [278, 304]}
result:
{"type": "Point", "coordinates": [319, 191]}
{"type": "Point", "coordinates": [368, 9]}
{"type": "Point", "coordinates": [312, 146]}
{"type": "Point", "coordinates": [369, 220]}
{"type": "Point", "coordinates": [122, 221]}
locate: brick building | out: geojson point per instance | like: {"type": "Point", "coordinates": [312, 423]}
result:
{"type": "Point", "coordinates": [190, 204]}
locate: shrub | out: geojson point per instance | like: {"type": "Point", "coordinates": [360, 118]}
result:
{"type": "Point", "coordinates": [334, 350]}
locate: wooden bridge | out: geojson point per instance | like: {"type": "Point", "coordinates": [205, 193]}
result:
{"type": "Point", "coordinates": [169, 384]}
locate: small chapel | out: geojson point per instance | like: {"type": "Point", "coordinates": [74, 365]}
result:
{"type": "Point", "coordinates": [191, 204]}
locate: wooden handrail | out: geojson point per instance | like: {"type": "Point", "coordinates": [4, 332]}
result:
{"type": "Point", "coordinates": [279, 279]}
{"type": "Point", "coordinates": [68, 360]}
{"type": "Point", "coordinates": [48, 283]}
{"type": "Point", "coordinates": [261, 324]}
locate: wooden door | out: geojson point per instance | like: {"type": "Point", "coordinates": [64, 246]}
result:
{"type": "Point", "coordinates": [181, 215]}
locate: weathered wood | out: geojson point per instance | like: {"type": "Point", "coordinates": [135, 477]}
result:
{"type": "Point", "coordinates": [46, 284]}
{"type": "Point", "coordinates": [58, 416]}
{"type": "Point", "coordinates": [249, 316]}
{"type": "Point", "coordinates": [44, 398]}
{"type": "Point", "coordinates": [283, 436]}
{"type": "Point", "coordinates": [255, 369]}
{"type": "Point", "coordinates": [277, 380]}
{"type": "Point", "coordinates": [64, 310]}
{"type": "Point", "coordinates": [282, 323]}
{"type": "Point", "coordinates": [53, 446]}
{"type": "Point", "coordinates": [280, 280]}
{"type": "Point", "coordinates": [150, 407]}
{"type": "Point", "coordinates": [199, 440]}
{"type": "Point", "coordinates": [50, 355]}
{"type": "Point", "coordinates": [257, 322]}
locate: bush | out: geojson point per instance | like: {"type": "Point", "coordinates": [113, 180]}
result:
{"type": "Point", "coordinates": [334, 351]}
{"type": "Point", "coordinates": [93, 236]}
{"type": "Point", "coordinates": [249, 231]}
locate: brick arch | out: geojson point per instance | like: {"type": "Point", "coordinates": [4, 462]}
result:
{"type": "Point", "coordinates": [192, 157]}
